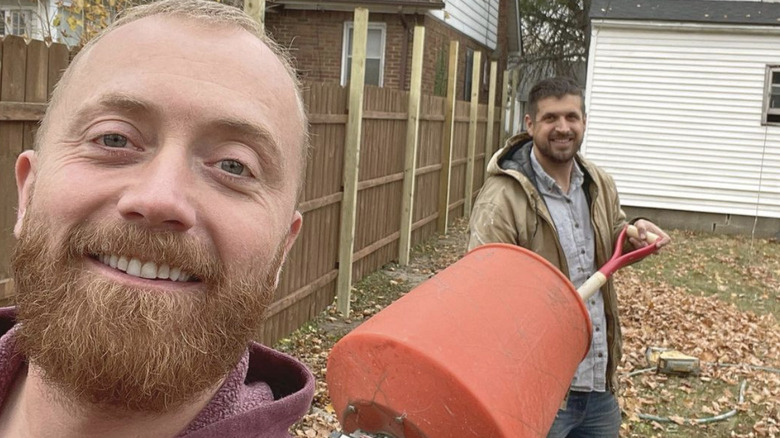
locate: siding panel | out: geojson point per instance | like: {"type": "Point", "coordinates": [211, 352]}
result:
{"type": "Point", "coordinates": [674, 116]}
{"type": "Point", "coordinates": [475, 18]}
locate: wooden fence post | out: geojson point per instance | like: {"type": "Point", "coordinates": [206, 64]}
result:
{"type": "Point", "coordinates": [512, 104]}
{"type": "Point", "coordinates": [489, 145]}
{"type": "Point", "coordinates": [256, 10]}
{"type": "Point", "coordinates": [352, 158]}
{"type": "Point", "coordinates": [446, 144]}
{"type": "Point", "coordinates": [504, 103]}
{"type": "Point", "coordinates": [476, 68]}
{"type": "Point", "coordinates": [412, 140]}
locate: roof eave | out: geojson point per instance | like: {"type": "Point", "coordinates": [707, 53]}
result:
{"type": "Point", "coordinates": [403, 6]}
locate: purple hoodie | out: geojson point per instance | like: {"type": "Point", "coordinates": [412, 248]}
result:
{"type": "Point", "coordinates": [262, 397]}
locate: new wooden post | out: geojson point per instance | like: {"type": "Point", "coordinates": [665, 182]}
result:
{"type": "Point", "coordinates": [446, 144]}
{"type": "Point", "coordinates": [412, 140]}
{"type": "Point", "coordinates": [489, 145]}
{"type": "Point", "coordinates": [256, 10]}
{"type": "Point", "coordinates": [352, 158]}
{"type": "Point", "coordinates": [476, 67]}
{"type": "Point", "coordinates": [504, 103]}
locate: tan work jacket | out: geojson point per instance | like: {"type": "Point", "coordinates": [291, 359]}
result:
{"type": "Point", "coordinates": [509, 209]}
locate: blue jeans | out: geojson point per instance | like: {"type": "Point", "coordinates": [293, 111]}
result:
{"type": "Point", "coordinates": [587, 415]}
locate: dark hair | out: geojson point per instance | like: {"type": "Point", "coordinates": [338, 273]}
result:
{"type": "Point", "coordinates": [557, 87]}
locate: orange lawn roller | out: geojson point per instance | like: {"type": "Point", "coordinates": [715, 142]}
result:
{"type": "Point", "coordinates": [486, 348]}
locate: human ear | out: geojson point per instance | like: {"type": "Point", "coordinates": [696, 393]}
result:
{"type": "Point", "coordinates": [529, 124]}
{"type": "Point", "coordinates": [292, 234]}
{"type": "Point", "coordinates": [26, 168]}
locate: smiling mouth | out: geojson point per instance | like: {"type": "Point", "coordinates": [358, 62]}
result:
{"type": "Point", "coordinates": [144, 269]}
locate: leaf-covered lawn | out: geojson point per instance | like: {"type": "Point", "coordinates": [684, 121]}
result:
{"type": "Point", "coordinates": [710, 296]}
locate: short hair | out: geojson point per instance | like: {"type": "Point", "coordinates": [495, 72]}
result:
{"type": "Point", "coordinates": [203, 11]}
{"type": "Point", "coordinates": [557, 87]}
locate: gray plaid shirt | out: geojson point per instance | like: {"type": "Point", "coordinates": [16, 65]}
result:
{"type": "Point", "coordinates": [571, 216]}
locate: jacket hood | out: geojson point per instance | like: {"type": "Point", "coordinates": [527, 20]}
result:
{"type": "Point", "coordinates": [500, 160]}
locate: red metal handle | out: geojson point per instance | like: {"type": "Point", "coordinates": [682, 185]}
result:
{"type": "Point", "coordinates": [620, 260]}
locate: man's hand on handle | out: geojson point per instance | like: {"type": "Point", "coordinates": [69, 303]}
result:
{"type": "Point", "coordinates": [645, 226]}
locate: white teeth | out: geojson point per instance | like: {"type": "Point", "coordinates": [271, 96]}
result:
{"type": "Point", "coordinates": [163, 271]}
{"type": "Point", "coordinates": [149, 270]}
{"type": "Point", "coordinates": [134, 267]}
{"type": "Point", "coordinates": [121, 264]}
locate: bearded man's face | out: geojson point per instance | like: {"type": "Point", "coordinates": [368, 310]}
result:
{"type": "Point", "coordinates": [132, 347]}
{"type": "Point", "coordinates": [558, 128]}
{"type": "Point", "coordinates": [164, 204]}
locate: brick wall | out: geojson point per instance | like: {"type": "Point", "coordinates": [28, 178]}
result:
{"type": "Point", "coordinates": [315, 41]}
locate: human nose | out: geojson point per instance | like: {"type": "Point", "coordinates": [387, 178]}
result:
{"type": "Point", "coordinates": [562, 125]}
{"type": "Point", "coordinates": [158, 195]}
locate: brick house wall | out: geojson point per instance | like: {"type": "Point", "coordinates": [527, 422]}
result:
{"type": "Point", "coordinates": [315, 39]}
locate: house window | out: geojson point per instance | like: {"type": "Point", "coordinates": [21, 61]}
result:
{"type": "Point", "coordinates": [15, 22]}
{"type": "Point", "coordinates": [772, 96]}
{"type": "Point", "coordinates": [375, 54]}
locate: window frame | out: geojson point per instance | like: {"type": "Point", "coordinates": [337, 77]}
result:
{"type": "Point", "coordinates": [346, 53]}
{"type": "Point", "coordinates": [766, 110]}
{"type": "Point", "coordinates": [7, 15]}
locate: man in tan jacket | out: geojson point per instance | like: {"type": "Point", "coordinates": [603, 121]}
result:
{"type": "Point", "coordinates": [542, 195]}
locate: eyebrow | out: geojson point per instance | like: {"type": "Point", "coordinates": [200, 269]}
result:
{"type": "Point", "coordinates": [562, 113]}
{"type": "Point", "coordinates": [113, 101]}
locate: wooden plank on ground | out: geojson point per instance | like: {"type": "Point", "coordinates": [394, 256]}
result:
{"type": "Point", "coordinates": [476, 68]}
{"type": "Point", "coordinates": [352, 158]}
{"type": "Point", "coordinates": [446, 144]}
{"type": "Point", "coordinates": [412, 142]}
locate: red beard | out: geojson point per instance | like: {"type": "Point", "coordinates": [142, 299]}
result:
{"type": "Point", "coordinates": [130, 348]}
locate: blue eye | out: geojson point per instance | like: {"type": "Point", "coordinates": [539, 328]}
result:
{"type": "Point", "coordinates": [232, 166]}
{"type": "Point", "coordinates": [115, 140]}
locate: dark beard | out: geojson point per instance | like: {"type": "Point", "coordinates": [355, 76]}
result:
{"type": "Point", "coordinates": [559, 157]}
{"type": "Point", "coordinates": [127, 348]}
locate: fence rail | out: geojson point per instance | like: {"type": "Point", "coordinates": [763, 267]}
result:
{"type": "Point", "coordinates": [308, 283]}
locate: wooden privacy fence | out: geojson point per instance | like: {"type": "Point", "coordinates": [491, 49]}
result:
{"type": "Point", "coordinates": [28, 73]}
{"type": "Point", "coordinates": [309, 279]}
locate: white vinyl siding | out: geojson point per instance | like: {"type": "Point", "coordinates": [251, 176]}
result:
{"type": "Point", "coordinates": [475, 18]}
{"type": "Point", "coordinates": [675, 116]}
